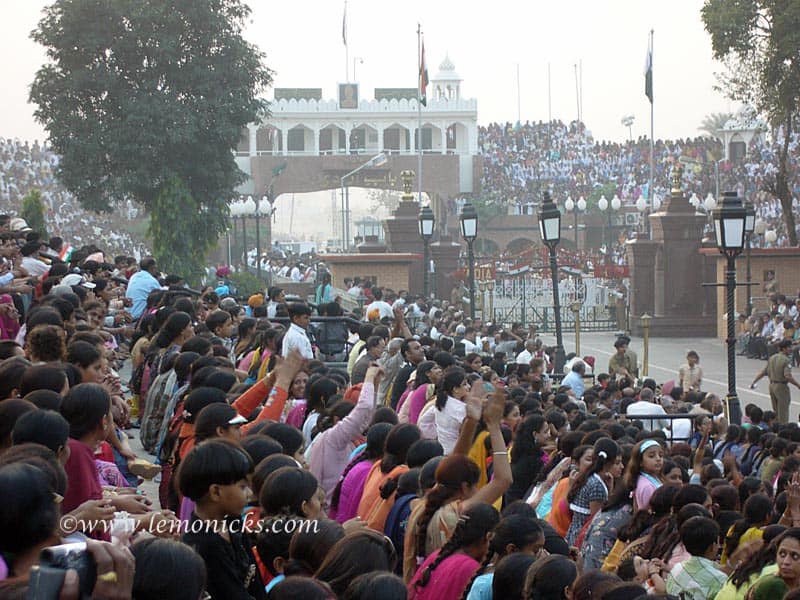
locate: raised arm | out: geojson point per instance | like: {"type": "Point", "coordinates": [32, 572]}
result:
{"type": "Point", "coordinates": [501, 481]}
{"type": "Point", "coordinates": [277, 394]}
{"type": "Point", "coordinates": [400, 329]}
{"type": "Point", "coordinates": [353, 424]}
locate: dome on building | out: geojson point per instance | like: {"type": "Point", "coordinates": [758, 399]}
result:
{"type": "Point", "coordinates": [447, 71]}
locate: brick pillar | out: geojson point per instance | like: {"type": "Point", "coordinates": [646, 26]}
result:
{"type": "Point", "coordinates": [680, 232]}
{"type": "Point", "coordinates": [402, 235]}
{"type": "Point", "coordinates": [641, 259]}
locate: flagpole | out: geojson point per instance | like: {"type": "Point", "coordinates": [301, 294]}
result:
{"type": "Point", "coordinates": [577, 92]}
{"type": "Point", "coordinates": [580, 87]}
{"type": "Point", "coordinates": [419, 114]}
{"type": "Point", "coordinates": [519, 110]}
{"type": "Point", "coordinates": [650, 190]}
{"type": "Point", "coordinates": [346, 47]}
{"type": "Point", "coordinates": [549, 98]}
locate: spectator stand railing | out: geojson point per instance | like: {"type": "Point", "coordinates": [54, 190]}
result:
{"type": "Point", "coordinates": [649, 422]}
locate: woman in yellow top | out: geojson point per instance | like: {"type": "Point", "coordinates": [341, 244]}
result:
{"type": "Point", "coordinates": [787, 560]}
{"type": "Point", "coordinates": [751, 569]}
{"type": "Point", "coordinates": [757, 514]}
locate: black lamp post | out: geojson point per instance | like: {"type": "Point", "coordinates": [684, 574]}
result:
{"type": "Point", "coordinates": [730, 225]}
{"type": "Point", "coordinates": [426, 223]}
{"type": "Point", "coordinates": [258, 235]}
{"type": "Point", "coordinates": [550, 230]}
{"type": "Point", "coordinates": [749, 228]}
{"type": "Point", "coordinates": [469, 231]}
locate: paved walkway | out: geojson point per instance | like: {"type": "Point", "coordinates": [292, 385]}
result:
{"type": "Point", "coordinates": [667, 354]}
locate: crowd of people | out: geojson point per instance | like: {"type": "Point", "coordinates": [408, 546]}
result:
{"type": "Point", "coordinates": [26, 167]}
{"type": "Point", "coordinates": [519, 159]}
{"type": "Point", "coordinates": [405, 452]}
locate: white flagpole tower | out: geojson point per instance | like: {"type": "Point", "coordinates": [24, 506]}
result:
{"type": "Point", "coordinates": [420, 72]}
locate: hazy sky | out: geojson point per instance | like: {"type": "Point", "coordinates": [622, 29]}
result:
{"type": "Point", "coordinates": [486, 41]}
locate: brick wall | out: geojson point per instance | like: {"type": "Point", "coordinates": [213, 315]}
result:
{"type": "Point", "coordinates": [387, 270]}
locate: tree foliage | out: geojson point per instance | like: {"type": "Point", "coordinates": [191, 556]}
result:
{"type": "Point", "coordinates": [148, 99]}
{"type": "Point", "coordinates": [33, 212]}
{"type": "Point", "coordinates": [712, 124]}
{"type": "Point", "coordinates": [759, 44]}
{"type": "Point", "coordinates": [180, 237]}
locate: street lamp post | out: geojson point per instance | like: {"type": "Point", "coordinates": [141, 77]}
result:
{"type": "Point", "coordinates": [258, 237]}
{"type": "Point", "coordinates": [490, 289]}
{"type": "Point", "coordinates": [641, 206]}
{"type": "Point", "coordinates": [749, 228]}
{"type": "Point", "coordinates": [234, 216]}
{"type": "Point", "coordinates": [575, 208]}
{"type": "Point", "coordinates": [237, 211]}
{"type": "Point", "coordinates": [426, 224]}
{"type": "Point", "coordinates": [550, 230]}
{"type": "Point", "coordinates": [469, 231]}
{"type": "Point", "coordinates": [729, 224]}
{"type": "Point", "coordinates": [376, 161]}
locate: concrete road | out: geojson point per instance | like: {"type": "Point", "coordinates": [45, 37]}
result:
{"type": "Point", "coordinates": [667, 354]}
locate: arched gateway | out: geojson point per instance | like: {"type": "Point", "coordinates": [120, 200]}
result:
{"type": "Point", "coordinates": [309, 144]}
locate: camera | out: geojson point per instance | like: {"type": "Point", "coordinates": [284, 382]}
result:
{"type": "Point", "coordinates": [54, 562]}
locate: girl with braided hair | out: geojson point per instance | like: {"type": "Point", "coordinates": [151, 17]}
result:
{"type": "Point", "coordinates": [514, 534]}
{"type": "Point", "coordinates": [590, 490]}
{"type": "Point", "coordinates": [446, 572]}
{"type": "Point", "coordinates": [433, 520]}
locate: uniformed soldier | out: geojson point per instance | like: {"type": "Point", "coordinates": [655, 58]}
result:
{"type": "Point", "coordinates": [779, 372]}
{"type": "Point", "coordinates": [624, 361]}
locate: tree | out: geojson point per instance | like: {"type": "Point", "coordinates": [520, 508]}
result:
{"type": "Point", "coordinates": [33, 212]}
{"type": "Point", "coordinates": [759, 44]}
{"type": "Point", "coordinates": [180, 237]}
{"type": "Point", "coordinates": [383, 199]}
{"type": "Point", "coordinates": [713, 123]}
{"type": "Point", "coordinates": [147, 99]}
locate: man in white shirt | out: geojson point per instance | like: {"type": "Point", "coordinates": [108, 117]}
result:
{"type": "Point", "coordinates": [356, 289]}
{"type": "Point", "coordinates": [296, 337]}
{"type": "Point", "coordinates": [276, 297]}
{"type": "Point", "coordinates": [401, 300]}
{"type": "Point", "coordinates": [777, 331]}
{"type": "Point", "coordinates": [30, 260]}
{"type": "Point", "coordinates": [645, 406]}
{"type": "Point", "coordinates": [524, 357]}
{"type": "Point", "coordinates": [296, 273]}
{"type": "Point", "coordinates": [416, 309]}
{"type": "Point", "coordinates": [384, 308]}
{"type": "Point", "coordinates": [469, 341]}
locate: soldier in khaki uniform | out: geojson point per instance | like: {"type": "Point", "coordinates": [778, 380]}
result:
{"type": "Point", "coordinates": [779, 372]}
{"type": "Point", "coordinates": [624, 361]}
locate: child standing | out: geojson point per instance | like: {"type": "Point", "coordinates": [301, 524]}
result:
{"type": "Point", "coordinates": [214, 475]}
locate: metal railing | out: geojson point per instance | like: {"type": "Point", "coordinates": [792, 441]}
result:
{"type": "Point", "coordinates": [649, 423]}
{"type": "Point", "coordinates": [594, 318]}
